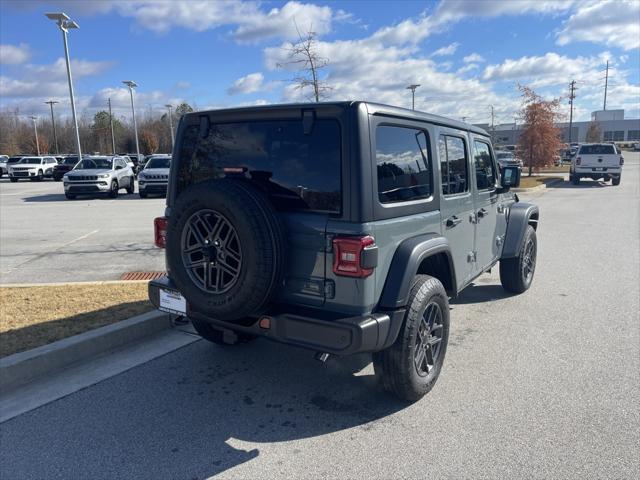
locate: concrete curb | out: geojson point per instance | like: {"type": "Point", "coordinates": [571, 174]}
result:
{"type": "Point", "coordinates": [69, 284]}
{"type": "Point", "coordinates": [24, 367]}
{"type": "Point", "coordinates": [535, 189]}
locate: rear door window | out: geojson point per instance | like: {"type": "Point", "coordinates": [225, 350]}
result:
{"type": "Point", "coordinates": [298, 170]}
{"type": "Point", "coordinates": [454, 167]}
{"type": "Point", "coordinates": [485, 171]}
{"type": "Point", "coordinates": [402, 163]}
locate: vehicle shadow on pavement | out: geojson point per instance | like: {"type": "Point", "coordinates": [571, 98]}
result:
{"type": "Point", "coordinates": [582, 184]}
{"type": "Point", "coordinates": [477, 293]}
{"type": "Point", "coordinates": [189, 414]}
{"type": "Point", "coordinates": [59, 197]}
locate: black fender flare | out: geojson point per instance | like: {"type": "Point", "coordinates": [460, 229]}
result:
{"type": "Point", "coordinates": [404, 267]}
{"type": "Point", "coordinates": [520, 215]}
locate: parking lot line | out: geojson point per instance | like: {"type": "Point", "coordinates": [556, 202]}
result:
{"type": "Point", "coordinates": [37, 257]}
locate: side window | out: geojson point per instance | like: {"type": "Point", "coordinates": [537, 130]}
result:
{"type": "Point", "coordinates": [454, 166]}
{"type": "Point", "coordinates": [402, 163]}
{"type": "Point", "coordinates": [485, 172]}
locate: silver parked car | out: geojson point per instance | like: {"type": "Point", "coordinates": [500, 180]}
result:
{"type": "Point", "coordinates": [99, 174]}
{"type": "Point", "coordinates": [154, 178]}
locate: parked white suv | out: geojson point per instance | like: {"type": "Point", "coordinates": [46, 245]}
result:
{"type": "Point", "coordinates": [154, 178]}
{"type": "Point", "coordinates": [32, 167]}
{"type": "Point", "coordinates": [597, 161]}
{"type": "Point", "coordinates": [99, 174]}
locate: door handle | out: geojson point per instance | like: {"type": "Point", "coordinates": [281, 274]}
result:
{"type": "Point", "coordinates": [483, 213]}
{"type": "Point", "coordinates": [452, 221]}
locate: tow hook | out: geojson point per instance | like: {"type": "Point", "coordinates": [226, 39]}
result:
{"type": "Point", "coordinates": [322, 357]}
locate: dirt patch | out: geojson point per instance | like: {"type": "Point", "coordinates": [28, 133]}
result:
{"type": "Point", "coordinates": [35, 316]}
{"type": "Point", "coordinates": [530, 182]}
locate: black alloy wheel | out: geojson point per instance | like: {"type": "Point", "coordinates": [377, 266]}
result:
{"type": "Point", "coordinates": [211, 252]}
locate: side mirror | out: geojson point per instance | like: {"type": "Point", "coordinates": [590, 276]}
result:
{"type": "Point", "coordinates": [510, 177]}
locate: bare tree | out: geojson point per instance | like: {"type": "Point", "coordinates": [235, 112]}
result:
{"type": "Point", "coordinates": [540, 138]}
{"type": "Point", "coordinates": [305, 56]}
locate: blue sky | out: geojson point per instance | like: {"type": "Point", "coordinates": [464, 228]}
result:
{"type": "Point", "coordinates": [466, 54]}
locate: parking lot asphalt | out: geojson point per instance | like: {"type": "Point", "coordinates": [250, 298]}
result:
{"type": "Point", "coordinates": [46, 238]}
{"type": "Point", "coordinates": [540, 385]}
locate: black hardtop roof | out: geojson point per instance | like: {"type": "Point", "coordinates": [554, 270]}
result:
{"type": "Point", "coordinates": [373, 109]}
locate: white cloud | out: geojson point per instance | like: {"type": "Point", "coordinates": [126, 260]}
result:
{"type": "Point", "coordinates": [48, 80]}
{"type": "Point", "coordinates": [183, 85]}
{"type": "Point", "coordinates": [453, 10]}
{"type": "Point", "coordinates": [14, 54]}
{"type": "Point", "coordinates": [445, 51]}
{"type": "Point", "coordinates": [541, 71]}
{"type": "Point", "coordinates": [467, 68]}
{"type": "Point", "coordinates": [473, 58]}
{"type": "Point", "coordinates": [282, 22]}
{"type": "Point", "coordinates": [248, 84]}
{"type": "Point", "coordinates": [613, 23]}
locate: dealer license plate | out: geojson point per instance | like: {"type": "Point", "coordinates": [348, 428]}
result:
{"type": "Point", "coordinates": [172, 302]}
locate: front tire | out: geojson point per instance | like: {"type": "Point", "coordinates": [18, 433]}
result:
{"type": "Point", "coordinates": [70, 196]}
{"type": "Point", "coordinates": [516, 274]}
{"type": "Point", "coordinates": [410, 367]}
{"type": "Point", "coordinates": [142, 194]}
{"type": "Point", "coordinates": [213, 335]}
{"type": "Point", "coordinates": [131, 189]}
{"type": "Point", "coordinates": [14, 180]}
{"type": "Point", "coordinates": [113, 193]}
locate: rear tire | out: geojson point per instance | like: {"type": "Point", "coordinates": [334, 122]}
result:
{"type": "Point", "coordinates": [233, 267]}
{"type": "Point", "coordinates": [214, 335]}
{"type": "Point", "coordinates": [575, 179]}
{"type": "Point", "coordinates": [516, 274]}
{"type": "Point", "coordinates": [410, 367]}
{"type": "Point", "coordinates": [142, 195]}
{"type": "Point", "coordinates": [616, 181]}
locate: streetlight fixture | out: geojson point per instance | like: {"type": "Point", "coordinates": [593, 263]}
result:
{"type": "Point", "coordinates": [169, 106]}
{"type": "Point", "coordinates": [131, 84]}
{"type": "Point", "coordinates": [65, 24]}
{"type": "Point", "coordinates": [413, 87]}
{"type": "Point", "coordinates": [51, 103]}
{"type": "Point", "coordinates": [35, 129]}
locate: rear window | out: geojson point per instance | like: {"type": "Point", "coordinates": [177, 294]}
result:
{"type": "Point", "coordinates": [298, 171]}
{"type": "Point", "coordinates": [597, 150]}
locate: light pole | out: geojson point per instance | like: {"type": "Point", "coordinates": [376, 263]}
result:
{"type": "Point", "coordinates": [113, 138]}
{"type": "Point", "coordinates": [53, 123]}
{"type": "Point", "coordinates": [35, 129]}
{"type": "Point", "coordinates": [169, 106]}
{"type": "Point", "coordinates": [413, 87]}
{"type": "Point", "coordinates": [64, 23]}
{"type": "Point", "coordinates": [131, 84]}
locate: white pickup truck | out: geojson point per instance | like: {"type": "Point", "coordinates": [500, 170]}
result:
{"type": "Point", "coordinates": [597, 161]}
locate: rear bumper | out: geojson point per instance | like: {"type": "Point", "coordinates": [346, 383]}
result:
{"type": "Point", "coordinates": [343, 336]}
{"type": "Point", "coordinates": [591, 171]}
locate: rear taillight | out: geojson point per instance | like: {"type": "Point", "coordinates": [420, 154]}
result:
{"type": "Point", "coordinates": [354, 256]}
{"type": "Point", "coordinates": [160, 231]}
{"type": "Point", "coordinates": [578, 160]}
{"type": "Point", "coordinates": [621, 160]}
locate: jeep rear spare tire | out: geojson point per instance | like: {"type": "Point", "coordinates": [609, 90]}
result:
{"type": "Point", "coordinates": [225, 249]}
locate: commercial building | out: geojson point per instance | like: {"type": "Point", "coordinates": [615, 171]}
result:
{"type": "Point", "coordinates": [613, 125]}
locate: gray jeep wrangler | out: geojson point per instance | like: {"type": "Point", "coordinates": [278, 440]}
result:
{"type": "Point", "coordinates": [340, 227]}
